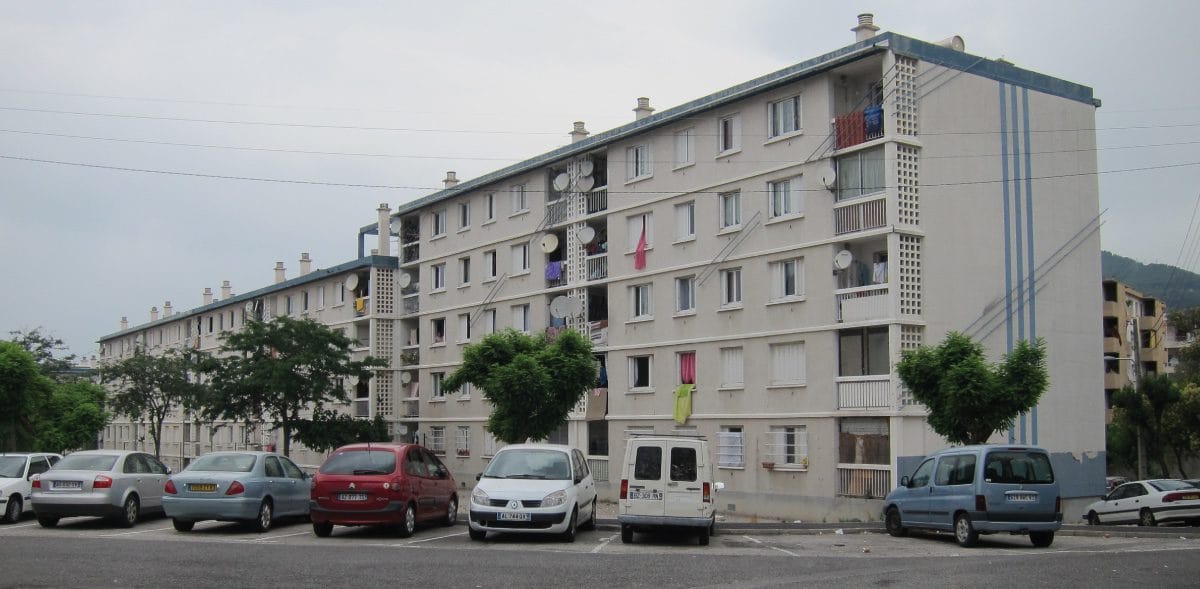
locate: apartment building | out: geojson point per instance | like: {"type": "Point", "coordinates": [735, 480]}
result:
{"type": "Point", "coordinates": [1135, 339]}
{"type": "Point", "coordinates": [767, 252]}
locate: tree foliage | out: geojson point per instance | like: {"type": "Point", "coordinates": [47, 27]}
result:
{"type": "Point", "coordinates": [72, 417]}
{"type": "Point", "coordinates": [968, 398]}
{"type": "Point", "coordinates": [1167, 412]}
{"type": "Point", "coordinates": [147, 388]}
{"type": "Point", "coordinates": [22, 390]}
{"type": "Point", "coordinates": [1187, 321]}
{"type": "Point", "coordinates": [532, 382]}
{"type": "Point", "coordinates": [44, 349]}
{"type": "Point", "coordinates": [279, 368]}
{"type": "Point", "coordinates": [328, 429]}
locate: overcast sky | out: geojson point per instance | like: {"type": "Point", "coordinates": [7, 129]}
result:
{"type": "Point", "coordinates": [187, 97]}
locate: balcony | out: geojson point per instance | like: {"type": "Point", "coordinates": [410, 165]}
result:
{"type": "Point", "coordinates": [858, 127]}
{"type": "Point", "coordinates": [597, 266]}
{"type": "Point", "coordinates": [593, 405]}
{"type": "Point", "coordinates": [597, 331]}
{"type": "Point", "coordinates": [863, 303]}
{"type": "Point", "coordinates": [556, 273]}
{"type": "Point", "coordinates": [597, 200]}
{"type": "Point", "coordinates": [410, 253]}
{"type": "Point", "coordinates": [860, 216]}
{"type": "Point", "coordinates": [1112, 346]}
{"type": "Point", "coordinates": [362, 407]}
{"type": "Point", "coordinates": [866, 392]}
{"type": "Point", "coordinates": [412, 305]}
{"type": "Point", "coordinates": [598, 465]}
{"type": "Point", "coordinates": [556, 212]}
{"type": "Point", "coordinates": [868, 481]}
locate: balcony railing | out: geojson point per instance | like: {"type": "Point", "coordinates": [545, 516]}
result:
{"type": "Point", "coordinates": [863, 303]}
{"type": "Point", "coordinates": [859, 126]}
{"type": "Point", "coordinates": [410, 252]}
{"type": "Point", "coordinates": [556, 273]}
{"type": "Point", "coordinates": [860, 216]}
{"type": "Point", "coordinates": [865, 392]}
{"type": "Point", "coordinates": [362, 407]}
{"type": "Point", "coordinates": [412, 304]}
{"type": "Point", "coordinates": [599, 467]}
{"type": "Point", "coordinates": [556, 212]}
{"type": "Point", "coordinates": [868, 481]}
{"type": "Point", "coordinates": [597, 200]}
{"type": "Point", "coordinates": [598, 332]}
{"type": "Point", "coordinates": [597, 267]}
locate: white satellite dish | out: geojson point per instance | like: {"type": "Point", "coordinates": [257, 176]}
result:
{"type": "Point", "coordinates": [352, 282]}
{"type": "Point", "coordinates": [574, 305]}
{"type": "Point", "coordinates": [405, 279]}
{"type": "Point", "coordinates": [249, 307]}
{"type": "Point", "coordinates": [405, 377]}
{"type": "Point", "coordinates": [829, 177]}
{"type": "Point", "coordinates": [561, 182]}
{"type": "Point", "coordinates": [842, 259]}
{"type": "Point", "coordinates": [560, 307]}
{"type": "Point", "coordinates": [549, 243]}
{"type": "Point", "coordinates": [395, 226]}
{"type": "Point", "coordinates": [586, 234]}
{"type": "Point", "coordinates": [585, 183]}
{"type": "Point", "coordinates": [586, 168]}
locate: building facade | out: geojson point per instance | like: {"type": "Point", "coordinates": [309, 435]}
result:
{"type": "Point", "coordinates": [767, 253]}
{"type": "Point", "coordinates": [1136, 339]}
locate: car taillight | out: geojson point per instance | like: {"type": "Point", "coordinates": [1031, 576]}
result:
{"type": "Point", "coordinates": [36, 482]}
{"type": "Point", "coordinates": [1169, 497]}
{"type": "Point", "coordinates": [235, 488]}
{"type": "Point", "coordinates": [102, 482]}
{"type": "Point", "coordinates": [980, 503]}
{"type": "Point", "coordinates": [170, 487]}
{"type": "Point", "coordinates": [1058, 505]}
{"type": "Point", "coordinates": [624, 488]}
{"type": "Point", "coordinates": [707, 493]}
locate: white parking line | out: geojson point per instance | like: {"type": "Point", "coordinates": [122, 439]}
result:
{"type": "Point", "coordinates": [270, 538]}
{"type": "Point", "coordinates": [410, 542]}
{"type": "Point", "coordinates": [787, 552]}
{"type": "Point", "coordinates": [755, 540]}
{"type": "Point", "coordinates": [132, 533]}
{"type": "Point", "coordinates": [18, 526]}
{"type": "Point", "coordinates": [603, 543]}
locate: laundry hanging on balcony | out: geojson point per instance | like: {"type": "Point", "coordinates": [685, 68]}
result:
{"type": "Point", "coordinates": [683, 402]}
{"type": "Point", "coordinates": [554, 270]}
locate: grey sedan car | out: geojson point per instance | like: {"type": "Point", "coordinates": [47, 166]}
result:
{"type": "Point", "coordinates": [250, 487]}
{"type": "Point", "coordinates": [118, 484]}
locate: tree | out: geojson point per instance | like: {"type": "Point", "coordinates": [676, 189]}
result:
{"type": "Point", "coordinates": [969, 399]}
{"type": "Point", "coordinates": [72, 417]}
{"type": "Point", "coordinates": [279, 368]}
{"type": "Point", "coordinates": [22, 390]}
{"type": "Point", "coordinates": [330, 429]}
{"type": "Point", "coordinates": [531, 381]}
{"type": "Point", "coordinates": [43, 348]}
{"type": "Point", "coordinates": [1187, 321]}
{"type": "Point", "coordinates": [149, 387]}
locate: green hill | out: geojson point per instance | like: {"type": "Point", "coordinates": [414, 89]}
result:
{"type": "Point", "coordinates": [1176, 287]}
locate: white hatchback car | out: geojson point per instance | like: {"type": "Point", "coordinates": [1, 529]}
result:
{"type": "Point", "coordinates": [16, 471]}
{"type": "Point", "coordinates": [1147, 503]}
{"type": "Point", "coordinates": [534, 488]}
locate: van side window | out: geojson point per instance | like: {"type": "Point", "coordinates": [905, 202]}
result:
{"type": "Point", "coordinates": [956, 470]}
{"type": "Point", "coordinates": [683, 464]}
{"type": "Point", "coordinates": [920, 477]}
{"type": "Point", "coordinates": [647, 464]}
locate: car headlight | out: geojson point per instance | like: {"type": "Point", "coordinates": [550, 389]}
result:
{"type": "Point", "coordinates": [479, 496]}
{"type": "Point", "coordinates": [554, 499]}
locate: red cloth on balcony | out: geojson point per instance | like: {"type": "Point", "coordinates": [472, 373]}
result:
{"type": "Point", "coordinates": [851, 129]}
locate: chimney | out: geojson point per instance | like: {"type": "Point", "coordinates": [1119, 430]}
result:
{"type": "Point", "coordinates": [154, 313]}
{"type": "Point", "coordinates": [167, 312]}
{"type": "Point", "coordinates": [124, 323]}
{"type": "Point", "coordinates": [643, 109]}
{"type": "Point", "coordinates": [866, 27]}
{"type": "Point", "coordinates": [451, 179]}
{"type": "Point", "coordinates": [305, 263]}
{"type": "Point", "coordinates": [579, 133]}
{"type": "Point", "coordinates": [385, 225]}
{"type": "Point", "coordinates": [207, 296]}
{"type": "Point", "coordinates": [280, 273]}
{"type": "Point", "coordinates": [226, 290]}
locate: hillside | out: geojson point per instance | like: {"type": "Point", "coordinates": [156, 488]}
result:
{"type": "Point", "coordinates": [1178, 288]}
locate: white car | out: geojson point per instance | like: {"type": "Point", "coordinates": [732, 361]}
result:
{"type": "Point", "coordinates": [534, 488]}
{"type": "Point", "coordinates": [1147, 503]}
{"type": "Point", "coordinates": [16, 470]}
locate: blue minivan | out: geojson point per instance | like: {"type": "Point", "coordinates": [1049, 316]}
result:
{"type": "Point", "coordinates": [973, 490]}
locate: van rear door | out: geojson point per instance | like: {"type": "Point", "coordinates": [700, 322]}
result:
{"type": "Point", "coordinates": [1019, 486]}
{"type": "Point", "coordinates": [684, 487]}
{"type": "Point", "coordinates": [647, 480]}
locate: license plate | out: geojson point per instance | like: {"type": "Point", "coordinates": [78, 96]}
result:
{"type": "Point", "coordinates": [1022, 497]}
{"type": "Point", "coordinates": [512, 517]}
{"type": "Point", "coordinates": [68, 485]}
{"type": "Point", "coordinates": [651, 494]}
{"type": "Point", "coordinates": [203, 487]}
{"type": "Point", "coordinates": [352, 496]}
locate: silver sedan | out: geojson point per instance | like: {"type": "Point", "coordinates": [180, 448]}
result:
{"type": "Point", "coordinates": [118, 484]}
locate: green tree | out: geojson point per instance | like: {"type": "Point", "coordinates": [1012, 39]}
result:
{"type": "Point", "coordinates": [968, 398]}
{"type": "Point", "coordinates": [44, 349]}
{"type": "Point", "coordinates": [532, 382]}
{"type": "Point", "coordinates": [1145, 409]}
{"type": "Point", "coordinates": [22, 390]}
{"type": "Point", "coordinates": [329, 429]}
{"type": "Point", "coordinates": [72, 417]}
{"type": "Point", "coordinates": [1187, 321]}
{"type": "Point", "coordinates": [148, 388]}
{"type": "Point", "coordinates": [279, 368]}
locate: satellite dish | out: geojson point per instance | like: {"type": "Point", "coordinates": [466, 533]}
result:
{"type": "Point", "coordinates": [249, 307]}
{"type": "Point", "coordinates": [560, 307]}
{"type": "Point", "coordinates": [352, 282]}
{"type": "Point", "coordinates": [395, 225]}
{"type": "Point", "coordinates": [586, 168]}
{"type": "Point", "coordinates": [405, 377]}
{"type": "Point", "coordinates": [574, 305]}
{"type": "Point", "coordinates": [842, 259]}
{"type": "Point", "coordinates": [585, 183]}
{"type": "Point", "coordinates": [829, 177]}
{"type": "Point", "coordinates": [586, 234]}
{"type": "Point", "coordinates": [549, 243]}
{"type": "Point", "coordinates": [405, 279]}
{"type": "Point", "coordinates": [561, 182]}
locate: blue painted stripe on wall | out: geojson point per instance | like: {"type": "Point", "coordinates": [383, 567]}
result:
{"type": "Point", "coordinates": [1007, 225]}
{"type": "Point", "coordinates": [1020, 270]}
{"type": "Point", "coordinates": [1029, 248]}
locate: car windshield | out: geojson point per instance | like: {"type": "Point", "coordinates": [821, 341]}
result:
{"type": "Point", "coordinates": [361, 462]}
{"type": "Point", "coordinates": [1018, 467]}
{"type": "Point", "coordinates": [530, 464]}
{"type": "Point", "coordinates": [87, 462]}
{"type": "Point", "coordinates": [223, 463]}
{"type": "Point", "coordinates": [1171, 485]}
{"type": "Point", "coordinates": [11, 467]}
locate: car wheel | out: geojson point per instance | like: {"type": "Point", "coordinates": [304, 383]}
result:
{"type": "Point", "coordinates": [47, 521]}
{"type": "Point", "coordinates": [263, 522]}
{"type": "Point", "coordinates": [1146, 518]}
{"type": "Point", "coordinates": [964, 531]}
{"type": "Point", "coordinates": [572, 521]}
{"type": "Point", "coordinates": [590, 524]}
{"type": "Point", "coordinates": [1093, 518]}
{"type": "Point", "coordinates": [703, 539]}
{"type": "Point", "coordinates": [451, 512]}
{"type": "Point", "coordinates": [12, 514]}
{"type": "Point", "coordinates": [894, 524]}
{"type": "Point", "coordinates": [408, 522]}
{"type": "Point", "coordinates": [626, 534]}
{"type": "Point", "coordinates": [477, 535]}
{"type": "Point", "coordinates": [322, 530]}
{"type": "Point", "coordinates": [1041, 539]}
{"type": "Point", "coordinates": [183, 525]}
{"type": "Point", "coordinates": [130, 512]}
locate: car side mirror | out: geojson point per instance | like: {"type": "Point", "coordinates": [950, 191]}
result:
{"type": "Point", "coordinates": [904, 481]}
{"type": "Point", "coordinates": [719, 486]}
{"type": "Point", "coordinates": [169, 472]}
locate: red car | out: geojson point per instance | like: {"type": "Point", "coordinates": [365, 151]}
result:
{"type": "Point", "coordinates": [371, 484]}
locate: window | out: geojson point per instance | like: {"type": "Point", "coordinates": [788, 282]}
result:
{"type": "Point", "coordinates": [288, 301]}
{"type": "Point", "coordinates": [520, 258]}
{"type": "Point", "coordinates": [437, 378]}
{"type": "Point", "coordinates": [520, 318]}
{"type": "Point", "coordinates": [860, 174]}
{"type": "Point", "coordinates": [785, 197]}
{"type": "Point", "coordinates": [464, 271]}
{"type": "Point", "coordinates": [462, 441]}
{"type": "Point", "coordinates": [439, 276]}
{"type": "Point", "coordinates": [437, 439]}
{"type": "Point", "coordinates": [635, 226]}
{"type": "Point", "coordinates": [864, 440]}
{"type": "Point", "coordinates": [787, 279]}
{"type": "Point", "coordinates": [685, 221]}
{"type": "Point", "coordinates": [731, 447]}
{"type": "Point", "coordinates": [491, 206]}
{"type": "Point", "coordinates": [637, 162]}
{"type": "Point", "coordinates": [731, 209]}
{"type": "Point", "coordinates": [788, 445]}
{"type": "Point", "coordinates": [489, 320]}
{"type": "Point", "coordinates": [863, 352]}
{"type": "Point", "coordinates": [687, 367]}
{"type": "Point", "coordinates": [956, 470]}
{"type": "Point", "coordinates": [647, 463]}
{"type": "Point", "coordinates": [464, 327]}
{"type": "Point", "coordinates": [439, 223]}
{"type": "Point", "coordinates": [731, 368]}
{"type": "Point", "coordinates": [520, 200]}
{"type": "Point", "coordinates": [787, 364]}
{"type": "Point", "coordinates": [464, 392]}
{"type": "Point", "coordinates": [685, 147]}
{"type": "Point", "coordinates": [490, 444]}
{"type": "Point", "coordinates": [685, 294]}
{"type": "Point", "coordinates": [731, 287]}
{"type": "Point", "coordinates": [639, 301]}
{"type": "Point", "coordinates": [464, 215]}
{"type": "Point", "coordinates": [784, 116]}
{"type": "Point", "coordinates": [303, 306]}
{"type": "Point", "coordinates": [729, 134]}
{"type": "Point", "coordinates": [320, 300]}
{"type": "Point", "coordinates": [339, 292]}
{"type": "Point", "coordinates": [489, 263]}
{"type": "Point", "coordinates": [439, 330]}
{"type": "Point", "coordinates": [639, 372]}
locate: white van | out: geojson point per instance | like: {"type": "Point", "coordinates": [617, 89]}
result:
{"type": "Point", "coordinates": [667, 482]}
